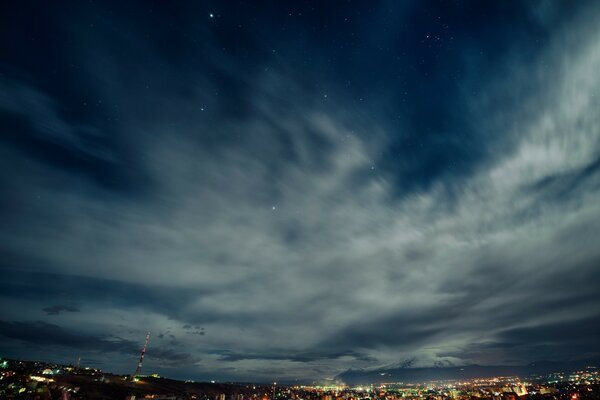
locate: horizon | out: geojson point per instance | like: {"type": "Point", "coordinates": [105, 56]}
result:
{"type": "Point", "coordinates": [490, 373]}
{"type": "Point", "coordinates": [284, 191]}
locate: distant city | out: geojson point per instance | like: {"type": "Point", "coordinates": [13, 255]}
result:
{"type": "Point", "coordinates": [21, 379]}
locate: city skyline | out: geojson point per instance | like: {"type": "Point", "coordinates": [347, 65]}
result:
{"type": "Point", "coordinates": [289, 190]}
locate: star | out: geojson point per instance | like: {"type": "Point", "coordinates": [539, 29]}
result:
{"type": "Point", "coordinates": [211, 15]}
{"type": "Point", "coordinates": [274, 208]}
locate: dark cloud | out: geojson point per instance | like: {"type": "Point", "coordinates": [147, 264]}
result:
{"type": "Point", "coordinates": [298, 357]}
{"type": "Point", "coordinates": [43, 333]}
{"type": "Point", "coordinates": [406, 329]}
{"type": "Point", "coordinates": [39, 333]}
{"type": "Point", "coordinates": [564, 334]}
{"type": "Point", "coordinates": [171, 358]}
{"type": "Point", "coordinates": [57, 309]}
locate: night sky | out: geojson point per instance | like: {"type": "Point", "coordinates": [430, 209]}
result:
{"type": "Point", "coordinates": [283, 190]}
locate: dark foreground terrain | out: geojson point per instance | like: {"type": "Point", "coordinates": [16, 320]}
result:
{"type": "Point", "coordinates": [38, 380]}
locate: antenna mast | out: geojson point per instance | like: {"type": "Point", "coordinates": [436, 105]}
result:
{"type": "Point", "coordinates": [138, 370]}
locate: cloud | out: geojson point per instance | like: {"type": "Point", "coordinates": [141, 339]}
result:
{"type": "Point", "coordinates": [57, 309]}
{"type": "Point", "coordinates": [298, 357]}
{"type": "Point", "coordinates": [43, 333]}
{"type": "Point", "coordinates": [39, 333]}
